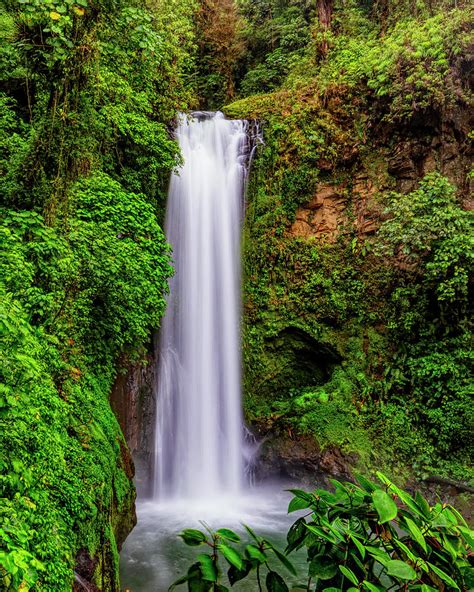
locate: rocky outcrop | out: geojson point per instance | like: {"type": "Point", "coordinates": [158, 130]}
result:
{"type": "Point", "coordinates": [437, 141]}
{"type": "Point", "coordinates": [323, 215]}
{"type": "Point", "coordinates": [336, 209]}
{"type": "Point", "coordinates": [399, 159]}
{"type": "Point", "coordinates": [133, 403]}
{"type": "Point", "coordinates": [299, 460]}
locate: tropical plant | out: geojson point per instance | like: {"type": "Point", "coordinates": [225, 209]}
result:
{"type": "Point", "coordinates": [370, 536]}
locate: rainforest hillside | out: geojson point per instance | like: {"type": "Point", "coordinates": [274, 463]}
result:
{"type": "Point", "coordinates": [357, 247]}
{"type": "Point", "coordinates": [87, 91]}
{"type": "Point", "coordinates": [358, 234]}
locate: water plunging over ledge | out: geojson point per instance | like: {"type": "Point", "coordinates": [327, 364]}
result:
{"type": "Point", "coordinates": [199, 428]}
{"type": "Point", "coordinates": [201, 450]}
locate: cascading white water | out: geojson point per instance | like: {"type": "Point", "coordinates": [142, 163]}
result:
{"type": "Point", "coordinates": [199, 424]}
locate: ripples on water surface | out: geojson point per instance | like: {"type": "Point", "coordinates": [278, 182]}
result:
{"type": "Point", "coordinates": [154, 556]}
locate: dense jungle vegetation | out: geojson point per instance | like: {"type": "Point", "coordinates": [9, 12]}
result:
{"type": "Point", "coordinates": [87, 90]}
{"type": "Point", "coordinates": [357, 253]}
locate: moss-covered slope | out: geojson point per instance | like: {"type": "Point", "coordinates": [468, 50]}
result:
{"type": "Point", "coordinates": [357, 252]}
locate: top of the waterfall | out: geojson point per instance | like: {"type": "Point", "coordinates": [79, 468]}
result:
{"type": "Point", "coordinates": [201, 115]}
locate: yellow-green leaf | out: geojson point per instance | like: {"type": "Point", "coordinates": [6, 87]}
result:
{"type": "Point", "coordinates": [385, 506]}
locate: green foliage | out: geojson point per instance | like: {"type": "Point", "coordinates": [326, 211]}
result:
{"type": "Point", "coordinates": [74, 312]}
{"type": "Point", "coordinates": [219, 41]}
{"type": "Point", "coordinates": [412, 66]}
{"type": "Point", "coordinates": [206, 574]}
{"type": "Point", "coordinates": [360, 537]}
{"type": "Point", "coordinates": [123, 265]}
{"type": "Point", "coordinates": [333, 412]}
{"type": "Point", "coordinates": [275, 34]}
{"type": "Point", "coordinates": [409, 67]}
{"type": "Point", "coordinates": [98, 86]}
{"type": "Point", "coordinates": [428, 239]}
{"type": "Point", "coordinates": [87, 91]}
{"type": "Point", "coordinates": [406, 290]}
{"type": "Point", "coordinates": [432, 234]}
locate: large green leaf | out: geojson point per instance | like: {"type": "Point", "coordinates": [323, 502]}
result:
{"type": "Point", "coordinates": [408, 552]}
{"type": "Point", "coordinates": [440, 520]}
{"type": "Point", "coordinates": [235, 575]}
{"type": "Point", "coordinates": [193, 537]}
{"type": "Point", "coordinates": [423, 505]}
{"type": "Point", "coordinates": [416, 533]}
{"type": "Point", "coordinates": [401, 570]}
{"type": "Point", "coordinates": [256, 538]}
{"type": "Point", "coordinates": [449, 547]}
{"type": "Point", "coordinates": [255, 553]}
{"type": "Point", "coordinates": [230, 535]}
{"type": "Point", "coordinates": [359, 545]}
{"type": "Point", "coordinates": [444, 576]}
{"type": "Point", "coordinates": [458, 516]}
{"type": "Point", "coordinates": [379, 554]}
{"type": "Point", "coordinates": [301, 501]}
{"type": "Point", "coordinates": [367, 485]}
{"type": "Point", "coordinates": [372, 587]}
{"type": "Point", "coordinates": [385, 506]}
{"type": "Point", "coordinates": [468, 535]}
{"type": "Point", "coordinates": [194, 579]}
{"type": "Point", "coordinates": [208, 568]}
{"type": "Point", "coordinates": [296, 535]}
{"type": "Point", "coordinates": [275, 583]}
{"type": "Point", "coordinates": [328, 536]}
{"type": "Point", "coordinates": [349, 574]}
{"type": "Point", "coordinates": [232, 556]}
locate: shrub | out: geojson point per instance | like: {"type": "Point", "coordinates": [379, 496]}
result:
{"type": "Point", "coordinates": [367, 537]}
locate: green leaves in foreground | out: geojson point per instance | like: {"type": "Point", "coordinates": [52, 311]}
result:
{"type": "Point", "coordinates": [192, 537]}
{"type": "Point", "coordinates": [385, 506]}
{"type": "Point", "coordinates": [367, 537]}
{"type": "Point", "coordinates": [241, 561]}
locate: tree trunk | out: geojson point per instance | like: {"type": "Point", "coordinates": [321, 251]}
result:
{"type": "Point", "coordinates": [325, 9]}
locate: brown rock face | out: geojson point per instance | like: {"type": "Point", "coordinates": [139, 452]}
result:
{"type": "Point", "coordinates": [323, 215]}
{"type": "Point", "coordinates": [133, 403]}
{"type": "Point", "coordinates": [437, 142]}
{"type": "Point", "coordinates": [326, 215]}
{"type": "Point", "coordinates": [399, 157]}
{"type": "Point", "coordinates": [300, 460]}
{"type": "Point", "coordinates": [367, 209]}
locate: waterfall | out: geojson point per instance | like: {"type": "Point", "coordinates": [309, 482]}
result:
{"type": "Point", "coordinates": [199, 426]}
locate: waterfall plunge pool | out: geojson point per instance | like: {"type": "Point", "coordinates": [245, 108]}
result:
{"type": "Point", "coordinates": [154, 556]}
